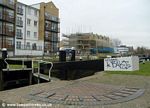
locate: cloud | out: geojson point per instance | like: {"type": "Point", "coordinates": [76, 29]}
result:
{"type": "Point", "coordinates": [127, 20]}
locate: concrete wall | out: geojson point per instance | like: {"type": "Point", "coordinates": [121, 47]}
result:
{"type": "Point", "coordinates": [121, 64]}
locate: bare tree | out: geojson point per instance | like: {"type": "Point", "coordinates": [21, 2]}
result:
{"type": "Point", "coordinates": [116, 42]}
{"type": "Point", "coordinates": [142, 50]}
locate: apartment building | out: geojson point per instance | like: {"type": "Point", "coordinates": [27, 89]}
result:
{"type": "Point", "coordinates": [27, 39]}
{"type": "Point", "coordinates": [7, 24]}
{"type": "Point", "coordinates": [49, 26]}
{"type": "Point", "coordinates": [29, 30]}
{"type": "Point", "coordinates": [85, 42]}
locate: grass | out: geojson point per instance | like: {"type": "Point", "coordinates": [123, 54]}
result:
{"type": "Point", "coordinates": [12, 66]}
{"type": "Point", "coordinates": [144, 70]}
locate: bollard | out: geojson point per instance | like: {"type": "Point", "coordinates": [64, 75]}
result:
{"type": "Point", "coordinates": [80, 58]}
{"type": "Point", "coordinates": [4, 56]}
{"type": "Point", "coordinates": [73, 53]}
{"type": "Point", "coordinates": [62, 55]}
{"type": "Point", "coordinates": [4, 53]}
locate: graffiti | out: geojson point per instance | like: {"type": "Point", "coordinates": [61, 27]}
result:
{"type": "Point", "coordinates": [115, 63]}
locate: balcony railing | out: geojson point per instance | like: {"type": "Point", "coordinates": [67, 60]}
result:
{"type": "Point", "coordinates": [19, 23]}
{"type": "Point", "coordinates": [8, 32]}
{"type": "Point", "coordinates": [48, 39]}
{"type": "Point", "coordinates": [9, 47]}
{"type": "Point", "coordinates": [8, 3]}
{"type": "Point", "coordinates": [20, 11]}
{"type": "Point", "coordinates": [52, 18]}
{"type": "Point", "coordinates": [47, 48]}
{"type": "Point", "coordinates": [9, 18]}
{"type": "Point", "coordinates": [29, 47]}
{"type": "Point", "coordinates": [52, 30]}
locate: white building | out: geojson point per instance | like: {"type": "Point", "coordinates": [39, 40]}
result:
{"type": "Point", "coordinates": [27, 40]}
{"type": "Point", "coordinates": [121, 49]}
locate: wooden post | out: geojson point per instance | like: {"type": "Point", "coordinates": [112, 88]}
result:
{"type": "Point", "coordinates": [1, 80]}
{"type": "Point", "coordinates": [30, 65]}
{"type": "Point", "coordinates": [1, 73]}
{"type": "Point", "coordinates": [30, 77]}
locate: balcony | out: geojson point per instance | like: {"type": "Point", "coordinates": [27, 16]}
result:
{"type": "Point", "coordinates": [9, 47]}
{"type": "Point", "coordinates": [19, 35]}
{"type": "Point", "coordinates": [20, 11]}
{"type": "Point", "coordinates": [52, 18]}
{"type": "Point", "coordinates": [52, 30]}
{"type": "Point", "coordinates": [8, 32]}
{"type": "Point", "coordinates": [19, 23]}
{"type": "Point", "coordinates": [8, 3]}
{"type": "Point", "coordinates": [48, 39]}
{"type": "Point", "coordinates": [9, 18]}
{"type": "Point", "coordinates": [47, 36]}
{"type": "Point", "coordinates": [47, 48]}
{"type": "Point", "coordinates": [29, 47]}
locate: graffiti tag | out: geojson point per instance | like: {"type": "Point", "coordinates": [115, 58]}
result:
{"type": "Point", "coordinates": [115, 63]}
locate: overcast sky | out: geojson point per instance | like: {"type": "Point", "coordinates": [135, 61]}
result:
{"type": "Point", "coordinates": [127, 20]}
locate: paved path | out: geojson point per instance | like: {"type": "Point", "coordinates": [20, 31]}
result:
{"type": "Point", "coordinates": [20, 95]}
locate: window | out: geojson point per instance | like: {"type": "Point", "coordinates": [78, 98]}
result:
{"type": "Point", "coordinates": [54, 47]}
{"type": "Point", "coordinates": [35, 12]}
{"type": "Point", "coordinates": [19, 9]}
{"type": "Point", "coordinates": [35, 23]}
{"type": "Point", "coordinates": [47, 34]}
{"type": "Point", "coordinates": [28, 33]}
{"type": "Point", "coordinates": [19, 18]}
{"type": "Point", "coordinates": [34, 47]}
{"type": "Point", "coordinates": [54, 37]}
{"type": "Point", "coordinates": [18, 45]}
{"type": "Point", "coordinates": [10, 14]}
{"type": "Point", "coordinates": [10, 28]}
{"type": "Point", "coordinates": [9, 42]}
{"type": "Point", "coordinates": [28, 21]}
{"type": "Point", "coordinates": [47, 45]}
{"type": "Point", "coordinates": [11, 1]}
{"type": "Point", "coordinates": [28, 45]}
{"type": "Point", "coordinates": [19, 21]}
{"type": "Point", "coordinates": [35, 34]}
{"type": "Point", "coordinates": [19, 33]}
{"type": "Point", "coordinates": [54, 26]}
{"type": "Point", "coordinates": [47, 25]}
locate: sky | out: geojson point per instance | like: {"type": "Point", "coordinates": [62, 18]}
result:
{"type": "Point", "coordinates": [127, 20]}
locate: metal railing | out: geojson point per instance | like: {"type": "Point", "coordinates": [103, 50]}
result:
{"type": "Point", "coordinates": [8, 3]}
{"type": "Point", "coordinates": [8, 17]}
{"type": "Point", "coordinates": [39, 62]}
{"type": "Point", "coordinates": [19, 11]}
{"type": "Point", "coordinates": [8, 65]}
{"type": "Point", "coordinates": [19, 35]}
{"type": "Point", "coordinates": [29, 47]}
{"type": "Point", "coordinates": [51, 18]}
{"type": "Point", "coordinates": [19, 23]}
